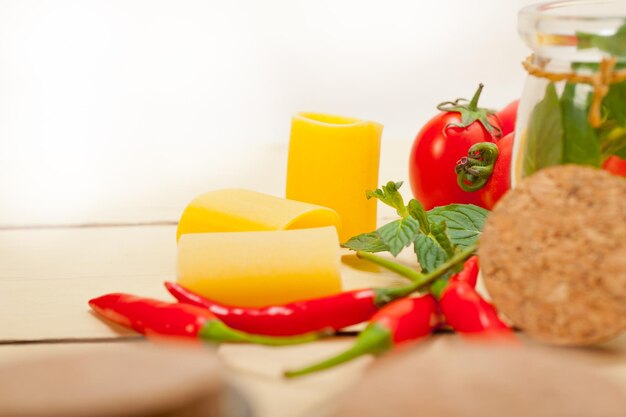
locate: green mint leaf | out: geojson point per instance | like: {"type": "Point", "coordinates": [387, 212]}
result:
{"type": "Point", "coordinates": [440, 233]}
{"type": "Point", "coordinates": [390, 195]}
{"type": "Point", "coordinates": [612, 133]}
{"type": "Point", "coordinates": [580, 142]}
{"type": "Point", "coordinates": [544, 136]}
{"type": "Point", "coordinates": [399, 234]}
{"type": "Point", "coordinates": [366, 242]}
{"type": "Point", "coordinates": [615, 44]}
{"type": "Point", "coordinates": [416, 210]}
{"type": "Point", "coordinates": [464, 222]}
{"type": "Point", "coordinates": [613, 103]}
{"type": "Point", "coordinates": [429, 254]}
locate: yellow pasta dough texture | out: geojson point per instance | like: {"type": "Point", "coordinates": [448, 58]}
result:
{"type": "Point", "coordinates": [332, 161]}
{"type": "Point", "coordinates": [238, 210]}
{"type": "Point", "coordinates": [260, 268]}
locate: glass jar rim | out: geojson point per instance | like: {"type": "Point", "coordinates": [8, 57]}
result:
{"type": "Point", "coordinates": [576, 9]}
{"type": "Point", "coordinates": [553, 29]}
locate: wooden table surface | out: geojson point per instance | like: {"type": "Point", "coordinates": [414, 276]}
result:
{"type": "Point", "coordinates": [48, 272]}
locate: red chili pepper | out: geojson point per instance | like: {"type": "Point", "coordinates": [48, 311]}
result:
{"type": "Point", "coordinates": [152, 317]}
{"type": "Point", "coordinates": [469, 273]}
{"type": "Point", "coordinates": [467, 312]}
{"type": "Point", "coordinates": [400, 321]}
{"type": "Point", "coordinates": [334, 312]}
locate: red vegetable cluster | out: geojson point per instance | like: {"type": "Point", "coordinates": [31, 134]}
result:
{"type": "Point", "coordinates": [442, 152]}
{"type": "Point", "coordinates": [393, 317]}
{"type": "Point", "coordinates": [463, 155]}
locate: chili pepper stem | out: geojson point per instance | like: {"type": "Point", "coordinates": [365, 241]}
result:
{"type": "Point", "coordinates": [396, 267]}
{"type": "Point", "coordinates": [418, 279]}
{"type": "Point", "coordinates": [216, 331]}
{"type": "Point", "coordinates": [375, 339]}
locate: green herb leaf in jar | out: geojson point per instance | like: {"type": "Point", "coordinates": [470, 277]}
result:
{"type": "Point", "coordinates": [544, 138]}
{"type": "Point", "coordinates": [573, 109]}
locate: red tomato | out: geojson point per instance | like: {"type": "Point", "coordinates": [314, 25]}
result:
{"type": "Point", "coordinates": [507, 117]}
{"type": "Point", "coordinates": [500, 180]}
{"type": "Point", "coordinates": [615, 165]}
{"type": "Point", "coordinates": [435, 152]}
{"type": "Point", "coordinates": [438, 147]}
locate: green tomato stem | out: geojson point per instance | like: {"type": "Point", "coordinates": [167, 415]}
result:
{"type": "Point", "coordinates": [473, 105]}
{"type": "Point", "coordinates": [474, 171]}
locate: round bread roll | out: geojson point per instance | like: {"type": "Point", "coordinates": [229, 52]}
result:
{"type": "Point", "coordinates": [460, 380]}
{"type": "Point", "coordinates": [117, 381]}
{"type": "Point", "coordinates": [553, 255]}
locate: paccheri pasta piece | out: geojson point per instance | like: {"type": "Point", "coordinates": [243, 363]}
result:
{"type": "Point", "coordinates": [332, 161]}
{"type": "Point", "coordinates": [239, 210]}
{"type": "Point", "coordinates": [255, 269]}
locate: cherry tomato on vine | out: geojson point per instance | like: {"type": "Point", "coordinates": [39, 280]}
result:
{"type": "Point", "coordinates": [500, 181]}
{"type": "Point", "coordinates": [441, 143]}
{"type": "Point", "coordinates": [508, 117]}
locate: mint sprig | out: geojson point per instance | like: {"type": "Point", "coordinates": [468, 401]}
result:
{"type": "Point", "coordinates": [416, 210]}
{"type": "Point", "coordinates": [389, 195]}
{"type": "Point", "coordinates": [367, 242]}
{"type": "Point", "coordinates": [436, 235]}
{"type": "Point", "coordinates": [399, 234]}
{"type": "Point", "coordinates": [429, 253]}
{"type": "Point", "coordinates": [464, 221]}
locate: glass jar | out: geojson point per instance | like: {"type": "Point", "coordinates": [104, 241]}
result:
{"type": "Point", "coordinates": [573, 108]}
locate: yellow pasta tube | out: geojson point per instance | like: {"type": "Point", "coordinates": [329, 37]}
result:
{"type": "Point", "coordinates": [332, 161]}
{"type": "Point", "coordinates": [232, 210]}
{"type": "Point", "coordinates": [256, 269]}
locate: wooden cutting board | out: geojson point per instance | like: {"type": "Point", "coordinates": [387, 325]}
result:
{"type": "Point", "coordinates": [129, 380]}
